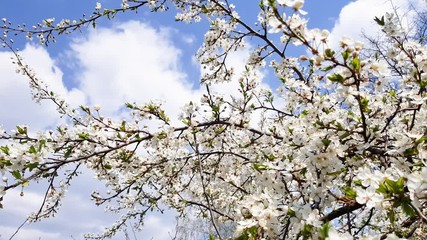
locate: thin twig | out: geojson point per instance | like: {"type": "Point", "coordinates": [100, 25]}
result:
{"type": "Point", "coordinates": [18, 229]}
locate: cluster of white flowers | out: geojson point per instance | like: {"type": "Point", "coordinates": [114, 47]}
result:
{"type": "Point", "coordinates": [339, 151]}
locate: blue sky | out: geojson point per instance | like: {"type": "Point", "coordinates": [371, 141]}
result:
{"type": "Point", "coordinates": [136, 57]}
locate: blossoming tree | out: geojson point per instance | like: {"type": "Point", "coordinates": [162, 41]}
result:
{"type": "Point", "coordinates": [338, 152]}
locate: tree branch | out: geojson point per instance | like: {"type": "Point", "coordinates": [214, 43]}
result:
{"type": "Point", "coordinates": [341, 211]}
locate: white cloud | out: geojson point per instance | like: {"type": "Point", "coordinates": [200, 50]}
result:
{"type": "Point", "coordinates": [132, 62]}
{"type": "Point", "coordinates": [28, 234]}
{"type": "Point", "coordinates": [357, 17]}
{"type": "Point", "coordinates": [157, 227]}
{"type": "Point", "coordinates": [188, 39]}
{"type": "Point", "coordinates": [77, 215]}
{"type": "Point", "coordinates": [21, 205]}
{"type": "Point", "coordinates": [17, 106]}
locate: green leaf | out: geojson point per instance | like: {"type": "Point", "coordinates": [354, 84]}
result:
{"type": "Point", "coordinates": [336, 78]}
{"type": "Point", "coordinates": [162, 135]}
{"type": "Point", "coordinates": [382, 188]}
{"type": "Point", "coordinates": [204, 9]}
{"type": "Point", "coordinates": [249, 233]}
{"type": "Point", "coordinates": [356, 64]}
{"type": "Point", "coordinates": [108, 166]}
{"type": "Point", "coordinates": [421, 140]}
{"type": "Point", "coordinates": [291, 213]}
{"type": "Point", "coordinates": [270, 157]}
{"type": "Point", "coordinates": [22, 130]}
{"type": "Point", "coordinates": [350, 193]}
{"type": "Point", "coordinates": [326, 142]}
{"type": "Point", "coordinates": [376, 128]}
{"type": "Point", "coordinates": [32, 166]}
{"type": "Point", "coordinates": [307, 232]}
{"type": "Point", "coordinates": [61, 131]}
{"type": "Point", "coordinates": [364, 104]}
{"type": "Point", "coordinates": [244, 236]}
{"type": "Point", "coordinates": [329, 53]}
{"type": "Point", "coordinates": [16, 174]}
{"type": "Point", "coordinates": [400, 185]}
{"type": "Point", "coordinates": [339, 126]}
{"type": "Point", "coordinates": [271, 3]}
{"type": "Point", "coordinates": [328, 68]}
{"type": "Point", "coordinates": [392, 216]}
{"type": "Point", "coordinates": [260, 167]}
{"type": "Point", "coordinates": [186, 122]}
{"type": "Point", "coordinates": [320, 123]}
{"type": "Point", "coordinates": [324, 230]}
{"type": "Point", "coordinates": [410, 152]}
{"type": "Point", "coordinates": [5, 149]}
{"type": "Point", "coordinates": [123, 126]}
{"type": "Point", "coordinates": [42, 143]}
{"type": "Point", "coordinates": [344, 135]}
{"type": "Point", "coordinates": [129, 105]}
{"type": "Point", "coordinates": [67, 154]}
{"type": "Point", "coordinates": [84, 109]}
{"type": "Point", "coordinates": [336, 173]}
{"type": "Point", "coordinates": [219, 130]}
{"type": "Point", "coordinates": [253, 231]}
{"type": "Point", "coordinates": [5, 163]}
{"type": "Point", "coordinates": [215, 108]}
{"type": "Point", "coordinates": [345, 55]}
{"type": "Point", "coordinates": [304, 113]}
{"type": "Point", "coordinates": [32, 150]}
{"type": "Point", "coordinates": [380, 21]}
{"type": "Point", "coordinates": [83, 136]}
{"type": "Point", "coordinates": [211, 237]}
{"type": "Point", "coordinates": [163, 116]}
{"type": "Point", "coordinates": [422, 84]}
{"type": "Point", "coordinates": [358, 183]}
{"type": "Point", "coordinates": [407, 209]}
{"type": "Point", "coordinates": [392, 185]}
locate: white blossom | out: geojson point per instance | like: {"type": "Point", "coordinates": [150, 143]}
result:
{"type": "Point", "coordinates": [98, 6]}
{"type": "Point", "coordinates": [369, 197]}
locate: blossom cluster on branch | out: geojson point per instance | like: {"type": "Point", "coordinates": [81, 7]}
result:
{"type": "Point", "coordinates": [339, 152]}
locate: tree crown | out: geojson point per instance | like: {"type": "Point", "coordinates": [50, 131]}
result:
{"type": "Point", "coordinates": [339, 151]}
